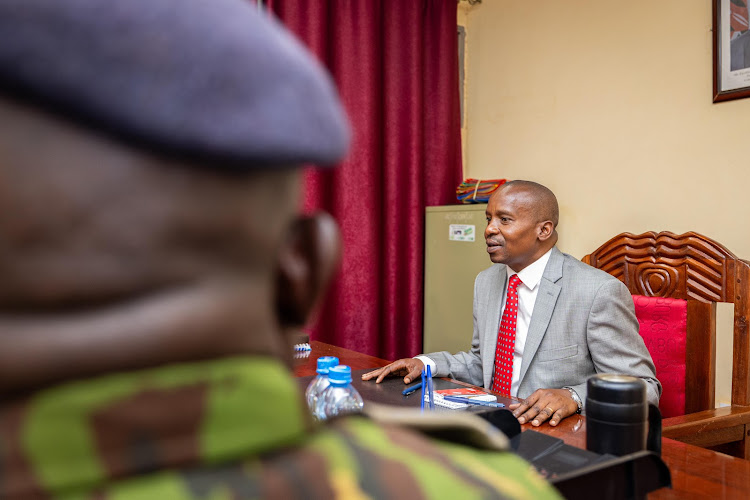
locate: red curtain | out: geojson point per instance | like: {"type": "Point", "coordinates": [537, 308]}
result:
{"type": "Point", "coordinates": [396, 65]}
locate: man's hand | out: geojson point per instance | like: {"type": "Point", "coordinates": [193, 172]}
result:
{"type": "Point", "coordinates": [410, 368]}
{"type": "Point", "coordinates": [543, 404]}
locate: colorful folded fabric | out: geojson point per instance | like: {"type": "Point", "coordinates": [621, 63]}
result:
{"type": "Point", "coordinates": [477, 191]}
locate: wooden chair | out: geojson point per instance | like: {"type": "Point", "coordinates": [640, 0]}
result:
{"type": "Point", "coordinates": [702, 272]}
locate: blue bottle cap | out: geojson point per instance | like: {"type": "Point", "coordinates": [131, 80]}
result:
{"type": "Point", "coordinates": [340, 375]}
{"type": "Point", "coordinates": [325, 362]}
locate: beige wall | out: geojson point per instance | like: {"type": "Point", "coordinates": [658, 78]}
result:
{"type": "Point", "coordinates": [609, 104]}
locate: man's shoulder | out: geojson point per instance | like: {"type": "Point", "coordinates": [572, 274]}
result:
{"type": "Point", "coordinates": [355, 457]}
{"type": "Point", "coordinates": [351, 457]}
{"type": "Point", "coordinates": [492, 272]}
{"type": "Point", "coordinates": [489, 279]}
{"type": "Point", "coordinates": [373, 449]}
{"type": "Point", "coordinates": [559, 265]}
{"type": "Point", "coordinates": [574, 270]}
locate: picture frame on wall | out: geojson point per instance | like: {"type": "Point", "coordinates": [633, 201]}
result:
{"type": "Point", "coordinates": [731, 34]}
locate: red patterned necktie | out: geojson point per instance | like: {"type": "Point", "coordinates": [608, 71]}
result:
{"type": "Point", "coordinates": [506, 340]}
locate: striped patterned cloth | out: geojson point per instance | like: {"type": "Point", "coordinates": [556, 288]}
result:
{"type": "Point", "coordinates": [477, 191]}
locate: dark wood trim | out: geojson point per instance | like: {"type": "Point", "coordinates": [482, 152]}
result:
{"type": "Point", "coordinates": [700, 351]}
{"type": "Point", "coordinates": [727, 95]}
{"type": "Point", "coordinates": [741, 339]}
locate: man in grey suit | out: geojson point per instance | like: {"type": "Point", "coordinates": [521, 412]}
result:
{"type": "Point", "coordinates": [573, 321]}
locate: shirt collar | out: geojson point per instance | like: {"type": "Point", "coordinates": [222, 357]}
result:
{"type": "Point", "coordinates": [531, 275]}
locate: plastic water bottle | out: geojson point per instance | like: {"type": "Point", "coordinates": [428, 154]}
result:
{"type": "Point", "coordinates": [319, 383]}
{"type": "Point", "coordinates": [340, 398]}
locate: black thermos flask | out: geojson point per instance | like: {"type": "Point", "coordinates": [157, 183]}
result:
{"type": "Point", "coordinates": [619, 419]}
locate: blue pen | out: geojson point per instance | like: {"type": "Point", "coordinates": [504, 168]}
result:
{"type": "Point", "coordinates": [424, 388]}
{"type": "Point", "coordinates": [411, 389]}
{"type": "Point", "coordinates": [469, 401]}
{"type": "Point", "coordinates": [429, 387]}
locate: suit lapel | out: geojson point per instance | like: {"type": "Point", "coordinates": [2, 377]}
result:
{"type": "Point", "coordinates": [546, 299]}
{"type": "Point", "coordinates": [489, 342]}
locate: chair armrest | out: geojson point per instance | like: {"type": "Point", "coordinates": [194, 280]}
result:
{"type": "Point", "coordinates": [709, 427]}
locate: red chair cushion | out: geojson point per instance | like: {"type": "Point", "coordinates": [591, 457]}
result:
{"type": "Point", "coordinates": [663, 326]}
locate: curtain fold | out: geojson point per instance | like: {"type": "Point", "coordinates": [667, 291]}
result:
{"type": "Point", "coordinates": [395, 63]}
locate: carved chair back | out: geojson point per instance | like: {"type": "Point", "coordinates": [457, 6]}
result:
{"type": "Point", "coordinates": [703, 272]}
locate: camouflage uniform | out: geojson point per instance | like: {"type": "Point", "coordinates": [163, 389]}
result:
{"type": "Point", "coordinates": [225, 429]}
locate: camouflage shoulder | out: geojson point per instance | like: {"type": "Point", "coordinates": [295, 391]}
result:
{"type": "Point", "coordinates": [413, 464]}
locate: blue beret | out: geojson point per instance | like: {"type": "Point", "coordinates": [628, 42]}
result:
{"type": "Point", "coordinates": [216, 81]}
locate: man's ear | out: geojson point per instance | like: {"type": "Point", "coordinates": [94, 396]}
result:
{"type": "Point", "coordinates": [545, 230]}
{"type": "Point", "coordinates": [307, 261]}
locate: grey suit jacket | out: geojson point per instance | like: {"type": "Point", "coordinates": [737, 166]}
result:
{"type": "Point", "coordinates": [583, 323]}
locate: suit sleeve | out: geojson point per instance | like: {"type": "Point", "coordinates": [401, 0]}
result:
{"type": "Point", "coordinates": [614, 342]}
{"type": "Point", "coordinates": [466, 365]}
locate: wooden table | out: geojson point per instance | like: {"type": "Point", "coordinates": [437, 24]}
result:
{"type": "Point", "coordinates": [696, 472]}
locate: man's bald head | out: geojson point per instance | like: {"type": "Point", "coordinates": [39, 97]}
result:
{"type": "Point", "coordinates": [542, 201]}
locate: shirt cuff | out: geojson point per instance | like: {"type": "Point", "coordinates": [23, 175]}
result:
{"type": "Point", "coordinates": [427, 362]}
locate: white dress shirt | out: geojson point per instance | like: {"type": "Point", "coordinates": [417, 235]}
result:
{"type": "Point", "coordinates": [528, 289]}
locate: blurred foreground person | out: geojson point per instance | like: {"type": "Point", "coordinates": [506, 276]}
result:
{"type": "Point", "coordinates": [151, 260]}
